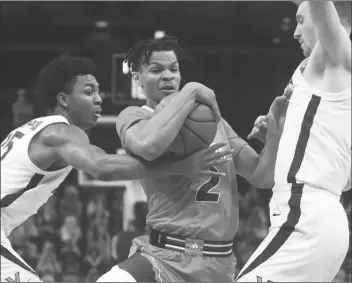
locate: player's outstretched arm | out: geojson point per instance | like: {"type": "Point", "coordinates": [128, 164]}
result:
{"type": "Point", "coordinates": [149, 138]}
{"type": "Point", "coordinates": [260, 127]}
{"type": "Point", "coordinates": [258, 169]}
{"type": "Point", "coordinates": [331, 34]}
{"type": "Point", "coordinates": [248, 163]}
{"type": "Point", "coordinates": [71, 144]}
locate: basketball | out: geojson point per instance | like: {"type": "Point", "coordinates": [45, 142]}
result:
{"type": "Point", "coordinates": [198, 131]}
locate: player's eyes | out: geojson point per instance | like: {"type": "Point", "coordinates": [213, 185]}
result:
{"type": "Point", "coordinates": [174, 70]}
{"type": "Point", "coordinates": [88, 91]}
{"type": "Point", "coordinates": [155, 70]}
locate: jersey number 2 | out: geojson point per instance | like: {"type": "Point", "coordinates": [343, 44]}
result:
{"type": "Point", "coordinates": [204, 193]}
{"type": "Point", "coordinates": [7, 144]}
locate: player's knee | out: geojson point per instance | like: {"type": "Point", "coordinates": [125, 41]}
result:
{"type": "Point", "coordinates": [116, 274]}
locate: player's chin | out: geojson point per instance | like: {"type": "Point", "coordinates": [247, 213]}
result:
{"type": "Point", "coordinates": [306, 52]}
{"type": "Point", "coordinates": [91, 123]}
{"type": "Point", "coordinates": [167, 92]}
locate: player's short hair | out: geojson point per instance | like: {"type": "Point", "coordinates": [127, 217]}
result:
{"type": "Point", "coordinates": [60, 75]}
{"type": "Point", "coordinates": [141, 52]}
{"type": "Point", "coordinates": [344, 9]}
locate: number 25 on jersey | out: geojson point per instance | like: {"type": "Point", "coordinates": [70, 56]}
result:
{"type": "Point", "coordinates": [7, 144]}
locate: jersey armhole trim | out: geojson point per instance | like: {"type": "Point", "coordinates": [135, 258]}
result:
{"type": "Point", "coordinates": [35, 167]}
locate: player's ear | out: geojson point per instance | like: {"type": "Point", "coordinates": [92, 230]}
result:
{"type": "Point", "coordinates": [137, 78]}
{"type": "Point", "coordinates": [62, 99]}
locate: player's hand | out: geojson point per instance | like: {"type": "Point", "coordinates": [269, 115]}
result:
{"type": "Point", "coordinates": [277, 113]}
{"type": "Point", "coordinates": [206, 96]}
{"type": "Point", "coordinates": [199, 163]}
{"type": "Point", "coordinates": [259, 129]}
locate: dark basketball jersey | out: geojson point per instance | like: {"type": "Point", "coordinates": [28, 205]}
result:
{"type": "Point", "coordinates": [204, 208]}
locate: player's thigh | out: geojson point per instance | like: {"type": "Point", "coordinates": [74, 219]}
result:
{"type": "Point", "coordinates": [14, 269]}
{"type": "Point", "coordinates": [336, 251]}
{"type": "Point", "coordinates": [137, 268]}
{"type": "Point", "coordinates": [281, 257]}
{"type": "Point", "coordinates": [219, 269]}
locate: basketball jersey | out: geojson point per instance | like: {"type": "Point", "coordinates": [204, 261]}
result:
{"type": "Point", "coordinates": [24, 186]}
{"type": "Point", "coordinates": [315, 146]}
{"type": "Point", "coordinates": [203, 208]}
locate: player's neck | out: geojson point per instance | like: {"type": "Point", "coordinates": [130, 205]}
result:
{"type": "Point", "coordinates": [61, 112]}
{"type": "Point", "coordinates": [152, 104]}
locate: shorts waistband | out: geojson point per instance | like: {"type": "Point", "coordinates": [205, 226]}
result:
{"type": "Point", "coordinates": [189, 245]}
{"type": "Point", "coordinates": [303, 189]}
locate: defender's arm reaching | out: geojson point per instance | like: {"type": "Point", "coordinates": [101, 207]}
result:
{"type": "Point", "coordinates": [71, 144]}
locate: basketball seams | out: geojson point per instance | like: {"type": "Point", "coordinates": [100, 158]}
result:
{"type": "Point", "coordinates": [190, 130]}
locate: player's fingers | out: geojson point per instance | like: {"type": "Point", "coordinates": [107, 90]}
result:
{"type": "Point", "coordinates": [212, 173]}
{"type": "Point", "coordinates": [216, 111]}
{"type": "Point", "coordinates": [218, 155]}
{"type": "Point", "coordinates": [263, 125]}
{"type": "Point", "coordinates": [259, 120]}
{"type": "Point", "coordinates": [277, 106]}
{"type": "Point", "coordinates": [253, 133]}
{"type": "Point", "coordinates": [288, 91]}
{"type": "Point", "coordinates": [218, 162]}
{"type": "Point", "coordinates": [215, 147]}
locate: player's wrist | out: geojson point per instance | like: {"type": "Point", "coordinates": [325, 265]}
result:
{"type": "Point", "coordinates": [190, 91]}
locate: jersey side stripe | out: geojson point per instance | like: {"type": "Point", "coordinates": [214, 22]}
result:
{"type": "Point", "coordinates": [303, 138]}
{"type": "Point", "coordinates": [9, 256]}
{"type": "Point", "coordinates": [296, 191]}
{"type": "Point", "coordinates": [10, 198]}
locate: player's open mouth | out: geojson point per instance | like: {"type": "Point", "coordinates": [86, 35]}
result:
{"type": "Point", "coordinates": [168, 89]}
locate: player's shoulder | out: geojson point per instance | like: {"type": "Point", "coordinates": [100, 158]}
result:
{"type": "Point", "coordinates": [136, 111]}
{"type": "Point", "coordinates": [60, 133]}
{"type": "Point", "coordinates": [131, 114]}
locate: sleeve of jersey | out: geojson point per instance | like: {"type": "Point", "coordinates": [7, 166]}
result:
{"type": "Point", "coordinates": [236, 142]}
{"type": "Point", "coordinates": [127, 118]}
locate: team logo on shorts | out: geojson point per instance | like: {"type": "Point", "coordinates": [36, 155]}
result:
{"type": "Point", "coordinates": [260, 279]}
{"type": "Point", "coordinates": [17, 278]}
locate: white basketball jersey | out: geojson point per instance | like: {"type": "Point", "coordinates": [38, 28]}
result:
{"type": "Point", "coordinates": [315, 146]}
{"type": "Point", "coordinates": [24, 186]}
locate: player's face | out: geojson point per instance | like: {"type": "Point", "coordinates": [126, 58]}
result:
{"type": "Point", "coordinates": [84, 103]}
{"type": "Point", "coordinates": [305, 31]}
{"type": "Point", "coordinates": [160, 76]}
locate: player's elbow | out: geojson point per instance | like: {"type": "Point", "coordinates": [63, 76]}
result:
{"type": "Point", "coordinates": [265, 185]}
{"type": "Point", "coordinates": [262, 181]}
{"type": "Point", "coordinates": [145, 148]}
{"type": "Point", "coordinates": [147, 151]}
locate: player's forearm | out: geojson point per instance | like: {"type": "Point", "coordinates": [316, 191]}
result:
{"type": "Point", "coordinates": [161, 130]}
{"type": "Point", "coordinates": [263, 175]}
{"type": "Point", "coordinates": [324, 15]}
{"type": "Point", "coordinates": [124, 167]}
{"type": "Point", "coordinates": [330, 32]}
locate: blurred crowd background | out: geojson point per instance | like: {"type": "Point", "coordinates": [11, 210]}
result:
{"type": "Point", "coordinates": [244, 51]}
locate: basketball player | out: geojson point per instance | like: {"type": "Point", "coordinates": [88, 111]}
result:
{"type": "Point", "coordinates": [309, 236]}
{"type": "Point", "coordinates": [192, 221]}
{"type": "Point", "coordinates": [37, 157]}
